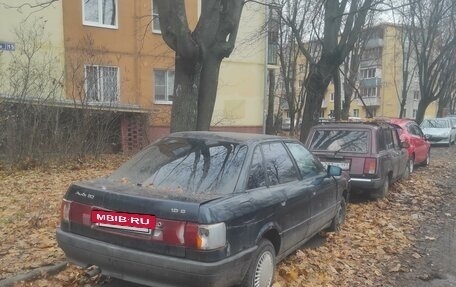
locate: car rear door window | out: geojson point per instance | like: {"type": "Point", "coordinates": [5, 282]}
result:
{"type": "Point", "coordinates": [340, 140]}
{"type": "Point", "coordinates": [279, 166]}
{"type": "Point", "coordinates": [257, 176]}
{"type": "Point", "coordinates": [388, 138]}
{"type": "Point", "coordinates": [307, 164]}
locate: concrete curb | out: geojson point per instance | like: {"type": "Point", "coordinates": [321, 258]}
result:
{"type": "Point", "coordinates": [35, 273]}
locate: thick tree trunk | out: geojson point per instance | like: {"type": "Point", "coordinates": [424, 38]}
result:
{"type": "Point", "coordinates": [207, 91]}
{"type": "Point", "coordinates": [184, 113]}
{"type": "Point", "coordinates": [422, 106]}
{"type": "Point", "coordinates": [316, 85]}
{"type": "Point", "coordinates": [443, 104]}
{"type": "Point", "coordinates": [270, 116]}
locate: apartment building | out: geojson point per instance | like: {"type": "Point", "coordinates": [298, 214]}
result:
{"type": "Point", "coordinates": [380, 79]}
{"type": "Point", "coordinates": [113, 56]}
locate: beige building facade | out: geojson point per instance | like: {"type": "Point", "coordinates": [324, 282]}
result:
{"type": "Point", "coordinates": [380, 79]}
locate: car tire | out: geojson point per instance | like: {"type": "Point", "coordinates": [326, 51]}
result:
{"type": "Point", "coordinates": [339, 218]}
{"type": "Point", "coordinates": [427, 161]}
{"type": "Point", "coordinates": [411, 164]}
{"type": "Point", "coordinates": [383, 190]}
{"type": "Point", "coordinates": [262, 268]}
{"type": "Point", "coordinates": [407, 171]}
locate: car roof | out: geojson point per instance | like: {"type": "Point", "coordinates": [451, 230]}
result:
{"type": "Point", "coordinates": [246, 138]}
{"type": "Point", "coordinates": [352, 125]}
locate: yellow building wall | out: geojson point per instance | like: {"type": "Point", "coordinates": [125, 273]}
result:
{"type": "Point", "coordinates": [391, 74]}
{"type": "Point", "coordinates": [51, 19]}
{"type": "Point", "coordinates": [241, 86]}
{"type": "Point", "coordinates": [132, 46]}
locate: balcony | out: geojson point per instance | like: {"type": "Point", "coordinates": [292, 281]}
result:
{"type": "Point", "coordinates": [370, 82]}
{"type": "Point", "coordinates": [373, 43]}
{"type": "Point", "coordinates": [369, 101]}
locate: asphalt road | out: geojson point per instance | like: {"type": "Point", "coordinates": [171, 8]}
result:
{"type": "Point", "coordinates": [437, 266]}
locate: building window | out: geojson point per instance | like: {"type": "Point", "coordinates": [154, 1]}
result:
{"type": "Point", "coordinates": [373, 112]}
{"type": "Point", "coordinates": [331, 114]}
{"type": "Point", "coordinates": [164, 86]}
{"type": "Point", "coordinates": [102, 13]}
{"type": "Point", "coordinates": [372, 54]}
{"type": "Point", "coordinates": [414, 113]}
{"type": "Point", "coordinates": [369, 92]}
{"type": "Point", "coordinates": [356, 113]}
{"type": "Point", "coordinates": [416, 95]}
{"type": "Point", "coordinates": [301, 68]}
{"type": "Point", "coordinates": [102, 83]}
{"type": "Point", "coordinates": [405, 113]}
{"type": "Point", "coordinates": [322, 113]}
{"type": "Point", "coordinates": [155, 20]}
{"type": "Point", "coordinates": [331, 97]}
{"type": "Point", "coordinates": [368, 73]}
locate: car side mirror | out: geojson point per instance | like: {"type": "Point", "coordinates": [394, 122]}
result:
{"type": "Point", "coordinates": [405, 144]}
{"type": "Point", "coordinates": [334, 170]}
{"type": "Point", "coordinates": [427, 137]}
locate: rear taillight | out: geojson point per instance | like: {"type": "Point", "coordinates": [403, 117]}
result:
{"type": "Point", "coordinates": [65, 210]}
{"type": "Point", "coordinates": [370, 166]}
{"type": "Point", "coordinates": [205, 237]}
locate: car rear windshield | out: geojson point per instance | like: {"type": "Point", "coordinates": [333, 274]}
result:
{"type": "Point", "coordinates": [435, 124]}
{"type": "Point", "coordinates": [185, 165]}
{"type": "Point", "coordinates": [340, 141]}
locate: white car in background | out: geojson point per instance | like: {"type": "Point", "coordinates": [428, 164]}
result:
{"type": "Point", "coordinates": [439, 131]}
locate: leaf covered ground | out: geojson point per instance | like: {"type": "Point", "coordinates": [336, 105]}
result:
{"type": "Point", "coordinates": [367, 252]}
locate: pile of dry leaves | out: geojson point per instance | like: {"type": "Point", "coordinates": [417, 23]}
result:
{"type": "Point", "coordinates": [364, 253]}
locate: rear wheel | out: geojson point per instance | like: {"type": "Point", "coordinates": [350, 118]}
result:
{"type": "Point", "coordinates": [408, 169]}
{"type": "Point", "coordinates": [383, 190]}
{"type": "Point", "coordinates": [261, 269]}
{"type": "Point", "coordinates": [411, 164]}
{"type": "Point", "coordinates": [427, 161]}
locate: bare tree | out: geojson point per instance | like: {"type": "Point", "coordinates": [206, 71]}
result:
{"type": "Point", "coordinates": [199, 54]}
{"type": "Point", "coordinates": [432, 30]}
{"type": "Point", "coordinates": [338, 25]}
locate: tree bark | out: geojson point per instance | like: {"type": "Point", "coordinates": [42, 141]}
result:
{"type": "Point", "coordinates": [184, 113]}
{"type": "Point", "coordinates": [271, 95]}
{"type": "Point", "coordinates": [198, 56]}
{"type": "Point", "coordinates": [207, 91]}
{"type": "Point", "coordinates": [316, 84]}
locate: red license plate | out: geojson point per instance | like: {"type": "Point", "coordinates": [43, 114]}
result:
{"type": "Point", "coordinates": [122, 219]}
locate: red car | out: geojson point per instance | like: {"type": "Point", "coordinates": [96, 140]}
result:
{"type": "Point", "coordinates": [419, 149]}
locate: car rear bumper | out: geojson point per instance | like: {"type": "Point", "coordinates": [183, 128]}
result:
{"type": "Point", "coordinates": [153, 269]}
{"type": "Point", "coordinates": [366, 183]}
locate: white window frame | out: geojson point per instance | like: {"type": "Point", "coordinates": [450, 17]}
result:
{"type": "Point", "coordinates": [100, 16]}
{"type": "Point", "coordinates": [356, 113]}
{"type": "Point", "coordinates": [101, 84]}
{"type": "Point", "coordinates": [161, 102]}
{"type": "Point", "coordinates": [153, 16]}
{"type": "Point", "coordinates": [416, 95]}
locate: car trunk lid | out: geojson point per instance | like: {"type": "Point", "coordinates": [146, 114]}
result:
{"type": "Point", "coordinates": [175, 215]}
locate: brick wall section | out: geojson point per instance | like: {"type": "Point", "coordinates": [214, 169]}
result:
{"type": "Point", "coordinates": [133, 134]}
